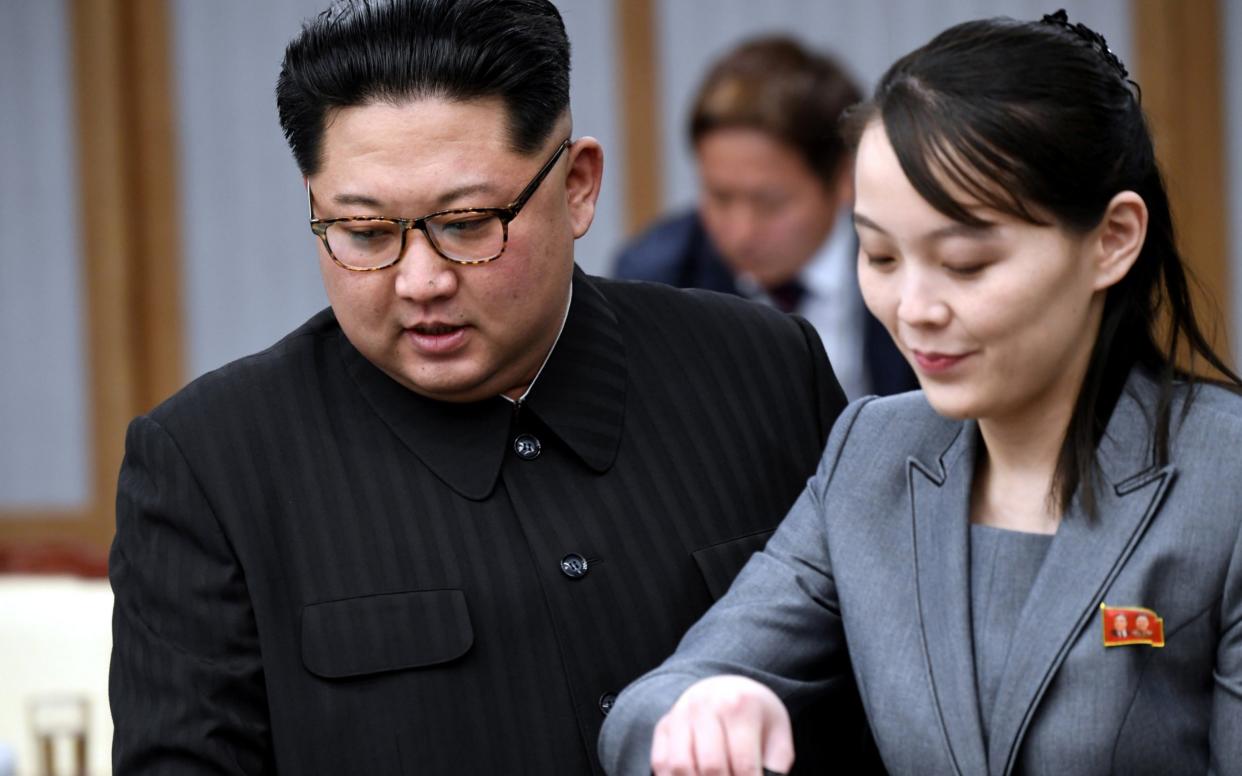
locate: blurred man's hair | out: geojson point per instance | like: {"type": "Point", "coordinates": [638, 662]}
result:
{"type": "Point", "coordinates": [778, 86]}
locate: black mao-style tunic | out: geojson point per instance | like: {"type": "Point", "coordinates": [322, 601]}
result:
{"type": "Point", "coordinates": [318, 571]}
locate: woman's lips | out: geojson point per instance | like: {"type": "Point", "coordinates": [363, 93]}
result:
{"type": "Point", "coordinates": [436, 339]}
{"type": "Point", "coordinates": [930, 362]}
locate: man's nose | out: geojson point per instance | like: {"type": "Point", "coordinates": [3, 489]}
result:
{"type": "Point", "coordinates": [422, 273]}
{"type": "Point", "coordinates": [741, 227]}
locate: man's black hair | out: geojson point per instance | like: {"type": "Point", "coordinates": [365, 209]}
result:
{"type": "Point", "coordinates": [361, 51]}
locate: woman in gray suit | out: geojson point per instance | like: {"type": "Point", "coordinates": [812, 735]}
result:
{"type": "Point", "coordinates": [969, 551]}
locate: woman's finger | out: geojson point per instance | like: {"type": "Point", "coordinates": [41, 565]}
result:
{"type": "Point", "coordinates": [711, 755]}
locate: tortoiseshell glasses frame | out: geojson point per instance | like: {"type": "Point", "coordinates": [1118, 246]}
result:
{"type": "Point", "coordinates": [482, 232]}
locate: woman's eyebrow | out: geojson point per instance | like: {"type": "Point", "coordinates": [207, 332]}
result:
{"type": "Point", "coordinates": [862, 220]}
{"type": "Point", "coordinates": [954, 229]}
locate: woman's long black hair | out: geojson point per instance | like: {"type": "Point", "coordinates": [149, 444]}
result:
{"type": "Point", "coordinates": [1038, 120]}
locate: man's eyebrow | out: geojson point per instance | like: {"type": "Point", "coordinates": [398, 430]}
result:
{"type": "Point", "coordinates": [356, 199]}
{"type": "Point", "coordinates": [954, 229]}
{"type": "Point", "coordinates": [442, 202]}
{"type": "Point", "coordinates": [453, 196]}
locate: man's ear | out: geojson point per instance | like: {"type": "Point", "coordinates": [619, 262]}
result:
{"type": "Point", "coordinates": [1118, 239]}
{"type": "Point", "coordinates": [586, 170]}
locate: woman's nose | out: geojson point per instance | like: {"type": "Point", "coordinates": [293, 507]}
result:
{"type": "Point", "coordinates": [921, 303]}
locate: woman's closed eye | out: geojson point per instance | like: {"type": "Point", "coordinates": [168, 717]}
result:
{"type": "Point", "coordinates": [879, 261]}
{"type": "Point", "coordinates": [966, 270]}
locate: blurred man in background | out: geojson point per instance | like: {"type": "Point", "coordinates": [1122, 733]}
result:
{"type": "Point", "coordinates": [772, 223]}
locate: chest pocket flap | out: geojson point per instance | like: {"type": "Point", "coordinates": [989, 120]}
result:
{"type": "Point", "coordinates": [388, 632]}
{"type": "Point", "coordinates": [720, 563]}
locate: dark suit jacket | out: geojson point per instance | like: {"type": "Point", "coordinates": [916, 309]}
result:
{"type": "Point", "coordinates": [678, 252]}
{"type": "Point", "coordinates": [318, 571]}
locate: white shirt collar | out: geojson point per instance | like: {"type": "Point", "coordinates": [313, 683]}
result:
{"type": "Point", "coordinates": [534, 380]}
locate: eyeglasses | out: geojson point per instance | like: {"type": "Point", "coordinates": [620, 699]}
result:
{"type": "Point", "coordinates": [473, 235]}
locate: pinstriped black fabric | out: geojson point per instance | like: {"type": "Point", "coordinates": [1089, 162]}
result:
{"type": "Point", "coordinates": [319, 572]}
{"type": "Point", "coordinates": [329, 646]}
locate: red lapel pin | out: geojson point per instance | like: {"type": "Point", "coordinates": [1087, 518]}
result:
{"type": "Point", "coordinates": [1125, 625]}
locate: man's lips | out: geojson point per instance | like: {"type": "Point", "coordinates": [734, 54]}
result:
{"type": "Point", "coordinates": [932, 362]}
{"type": "Point", "coordinates": [434, 328]}
{"type": "Point", "coordinates": [435, 338]}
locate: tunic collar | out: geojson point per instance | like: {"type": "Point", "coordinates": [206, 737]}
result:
{"type": "Point", "coordinates": [579, 396]}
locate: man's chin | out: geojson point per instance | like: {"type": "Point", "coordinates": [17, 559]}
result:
{"type": "Point", "coordinates": [762, 276]}
{"type": "Point", "coordinates": [453, 383]}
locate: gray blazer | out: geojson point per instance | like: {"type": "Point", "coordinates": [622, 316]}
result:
{"type": "Point", "coordinates": [872, 564]}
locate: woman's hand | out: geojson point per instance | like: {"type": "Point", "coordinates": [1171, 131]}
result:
{"type": "Point", "coordinates": [723, 726]}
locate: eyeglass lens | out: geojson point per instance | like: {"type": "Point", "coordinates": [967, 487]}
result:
{"type": "Point", "coordinates": [462, 236]}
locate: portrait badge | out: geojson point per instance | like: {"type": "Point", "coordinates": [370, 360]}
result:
{"type": "Point", "coordinates": [1126, 625]}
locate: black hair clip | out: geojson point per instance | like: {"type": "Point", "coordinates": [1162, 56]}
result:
{"type": "Point", "coordinates": [1095, 39]}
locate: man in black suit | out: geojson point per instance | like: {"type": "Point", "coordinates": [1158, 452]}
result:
{"type": "Point", "coordinates": [773, 218]}
{"type": "Point", "coordinates": [436, 528]}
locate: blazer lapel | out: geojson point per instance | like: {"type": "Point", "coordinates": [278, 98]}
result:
{"type": "Point", "coordinates": [940, 508]}
{"type": "Point", "coordinates": [1085, 556]}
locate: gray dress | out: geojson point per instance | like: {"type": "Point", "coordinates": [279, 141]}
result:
{"type": "Point", "coordinates": [1003, 567]}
